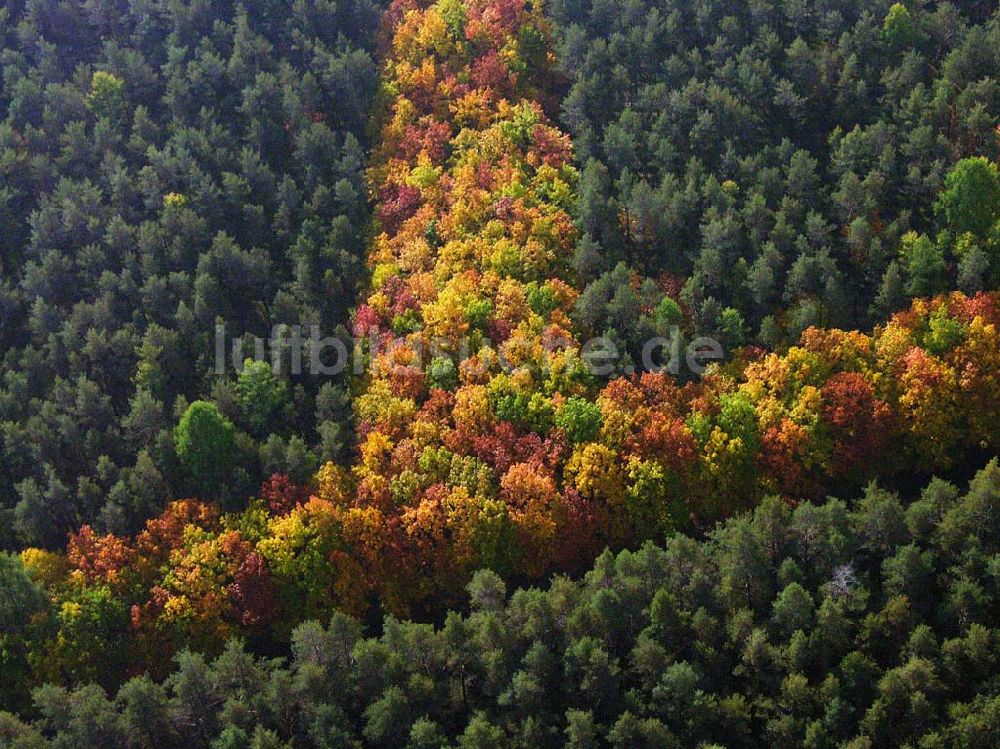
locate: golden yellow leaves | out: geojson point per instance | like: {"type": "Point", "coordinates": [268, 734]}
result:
{"type": "Point", "coordinates": [595, 471]}
{"type": "Point", "coordinates": [333, 484]}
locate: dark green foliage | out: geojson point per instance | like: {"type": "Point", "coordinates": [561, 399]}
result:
{"type": "Point", "coordinates": [818, 626]}
{"type": "Point", "coordinates": [769, 157]}
{"type": "Point", "coordinates": [262, 395]}
{"type": "Point", "coordinates": [20, 599]}
{"type": "Point", "coordinates": [165, 167]}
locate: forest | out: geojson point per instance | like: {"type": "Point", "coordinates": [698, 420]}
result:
{"type": "Point", "coordinates": [165, 166]}
{"type": "Point", "coordinates": [864, 623]}
{"type": "Point", "coordinates": [490, 533]}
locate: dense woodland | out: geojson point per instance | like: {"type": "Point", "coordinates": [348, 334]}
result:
{"type": "Point", "coordinates": [168, 166]}
{"type": "Point", "coordinates": [472, 189]}
{"type": "Point", "coordinates": [774, 159]}
{"type": "Point", "coordinates": [195, 578]}
{"type": "Point", "coordinates": [862, 625]}
{"type": "Point", "coordinates": [165, 166]}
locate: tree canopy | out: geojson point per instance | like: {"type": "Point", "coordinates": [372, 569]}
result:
{"type": "Point", "coordinates": [771, 157]}
{"type": "Point", "coordinates": [536, 222]}
{"type": "Point", "coordinates": [166, 167]}
{"type": "Point", "coordinates": [870, 623]}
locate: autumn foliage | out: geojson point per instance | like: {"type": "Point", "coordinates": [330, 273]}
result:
{"type": "Point", "coordinates": [484, 441]}
{"type": "Point", "coordinates": [836, 410]}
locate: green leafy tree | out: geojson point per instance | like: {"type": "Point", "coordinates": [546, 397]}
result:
{"type": "Point", "coordinates": [206, 445]}
{"type": "Point", "coordinates": [899, 29]}
{"type": "Point", "coordinates": [970, 200]}
{"type": "Point", "coordinates": [925, 265]}
{"type": "Point", "coordinates": [580, 419]}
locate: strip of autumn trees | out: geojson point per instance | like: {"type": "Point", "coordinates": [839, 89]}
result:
{"type": "Point", "coordinates": [463, 464]}
{"type": "Point", "coordinates": [840, 407]}
{"type": "Point", "coordinates": [868, 624]}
